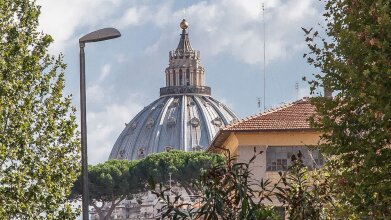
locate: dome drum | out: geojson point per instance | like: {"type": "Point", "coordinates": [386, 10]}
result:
{"type": "Point", "coordinates": [176, 90]}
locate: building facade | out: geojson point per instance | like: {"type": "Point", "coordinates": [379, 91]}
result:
{"type": "Point", "coordinates": [279, 133]}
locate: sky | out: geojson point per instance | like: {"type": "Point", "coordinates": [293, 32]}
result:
{"type": "Point", "coordinates": [124, 75]}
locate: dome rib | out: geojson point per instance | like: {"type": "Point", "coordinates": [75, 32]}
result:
{"type": "Point", "coordinates": [141, 126]}
{"type": "Point", "coordinates": [217, 110]}
{"type": "Point", "coordinates": [204, 119]}
{"type": "Point", "coordinates": [158, 129]}
{"type": "Point", "coordinates": [183, 123]}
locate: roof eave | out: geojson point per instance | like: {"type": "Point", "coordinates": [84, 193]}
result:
{"type": "Point", "coordinates": [222, 135]}
{"type": "Point", "coordinates": [273, 130]}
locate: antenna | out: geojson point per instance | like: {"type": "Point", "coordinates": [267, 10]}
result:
{"type": "Point", "coordinates": [264, 57]}
{"type": "Point", "coordinates": [259, 104]}
{"type": "Point", "coordinates": [297, 90]}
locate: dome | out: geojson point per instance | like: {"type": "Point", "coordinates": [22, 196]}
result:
{"type": "Point", "coordinates": [183, 122]}
{"type": "Point", "coordinates": [185, 117]}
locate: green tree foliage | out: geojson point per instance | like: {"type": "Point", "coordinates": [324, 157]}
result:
{"type": "Point", "coordinates": [355, 61]}
{"type": "Point", "coordinates": [109, 184]}
{"type": "Point", "coordinates": [185, 167]}
{"type": "Point", "coordinates": [225, 191]}
{"type": "Point", "coordinates": [38, 142]}
{"type": "Point", "coordinates": [305, 193]}
{"type": "Point", "coordinates": [115, 180]}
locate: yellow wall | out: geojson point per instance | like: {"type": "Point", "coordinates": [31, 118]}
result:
{"type": "Point", "coordinates": [236, 139]}
{"type": "Point", "coordinates": [241, 144]}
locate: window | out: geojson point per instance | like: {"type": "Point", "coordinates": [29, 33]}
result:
{"type": "Point", "coordinates": [168, 148]}
{"type": "Point", "coordinates": [171, 121]}
{"type": "Point", "coordinates": [150, 123]}
{"type": "Point", "coordinates": [121, 154]}
{"type": "Point", "coordinates": [197, 148]}
{"type": "Point", "coordinates": [278, 158]}
{"type": "Point", "coordinates": [141, 152]}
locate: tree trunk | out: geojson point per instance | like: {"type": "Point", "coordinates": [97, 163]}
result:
{"type": "Point", "coordinates": [99, 210]}
{"type": "Point", "coordinates": [112, 207]}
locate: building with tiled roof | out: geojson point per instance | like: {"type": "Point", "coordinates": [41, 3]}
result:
{"type": "Point", "coordinates": [293, 117]}
{"type": "Point", "coordinates": [279, 133]}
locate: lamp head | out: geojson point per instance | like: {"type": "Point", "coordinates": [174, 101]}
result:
{"type": "Point", "coordinates": [100, 35]}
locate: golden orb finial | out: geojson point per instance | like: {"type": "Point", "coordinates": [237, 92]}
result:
{"type": "Point", "coordinates": [184, 25]}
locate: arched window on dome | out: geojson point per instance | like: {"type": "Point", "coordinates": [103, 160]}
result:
{"type": "Point", "coordinates": [188, 77]}
{"type": "Point", "coordinates": [197, 148]}
{"type": "Point", "coordinates": [141, 153]}
{"type": "Point", "coordinates": [121, 154]}
{"type": "Point", "coordinates": [180, 78]}
{"type": "Point", "coordinates": [168, 148]}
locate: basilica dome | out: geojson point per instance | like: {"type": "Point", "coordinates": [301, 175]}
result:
{"type": "Point", "coordinates": [185, 117]}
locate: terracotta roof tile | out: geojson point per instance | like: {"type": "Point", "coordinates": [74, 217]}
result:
{"type": "Point", "coordinates": [293, 116]}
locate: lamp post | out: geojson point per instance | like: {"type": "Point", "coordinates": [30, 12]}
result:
{"type": "Point", "coordinates": [99, 35]}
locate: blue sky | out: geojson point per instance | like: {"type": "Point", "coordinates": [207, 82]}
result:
{"type": "Point", "coordinates": [125, 74]}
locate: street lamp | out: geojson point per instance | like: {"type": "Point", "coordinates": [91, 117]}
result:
{"type": "Point", "coordinates": [99, 35]}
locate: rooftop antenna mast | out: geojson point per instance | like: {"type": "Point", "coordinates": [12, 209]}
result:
{"type": "Point", "coordinates": [264, 57]}
{"type": "Point", "coordinates": [297, 90]}
{"type": "Point", "coordinates": [259, 104]}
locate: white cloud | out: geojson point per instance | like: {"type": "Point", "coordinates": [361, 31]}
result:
{"type": "Point", "coordinates": [221, 26]}
{"type": "Point", "coordinates": [107, 113]}
{"type": "Point", "coordinates": [105, 72]}
{"type": "Point", "coordinates": [95, 93]}
{"type": "Point", "coordinates": [106, 125]}
{"type": "Point", "coordinates": [236, 27]}
{"type": "Point", "coordinates": [61, 18]}
{"type": "Point", "coordinates": [133, 16]}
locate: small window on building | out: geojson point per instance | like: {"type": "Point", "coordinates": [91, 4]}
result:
{"type": "Point", "coordinates": [279, 158]}
{"type": "Point", "coordinates": [175, 103]}
{"type": "Point", "coordinates": [217, 122]}
{"type": "Point", "coordinates": [171, 121]}
{"type": "Point", "coordinates": [197, 148]}
{"type": "Point", "coordinates": [194, 122]}
{"type": "Point", "coordinates": [150, 123]}
{"type": "Point", "coordinates": [168, 148]}
{"type": "Point", "coordinates": [121, 154]}
{"type": "Point", "coordinates": [134, 125]}
{"type": "Point", "coordinates": [141, 153]}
